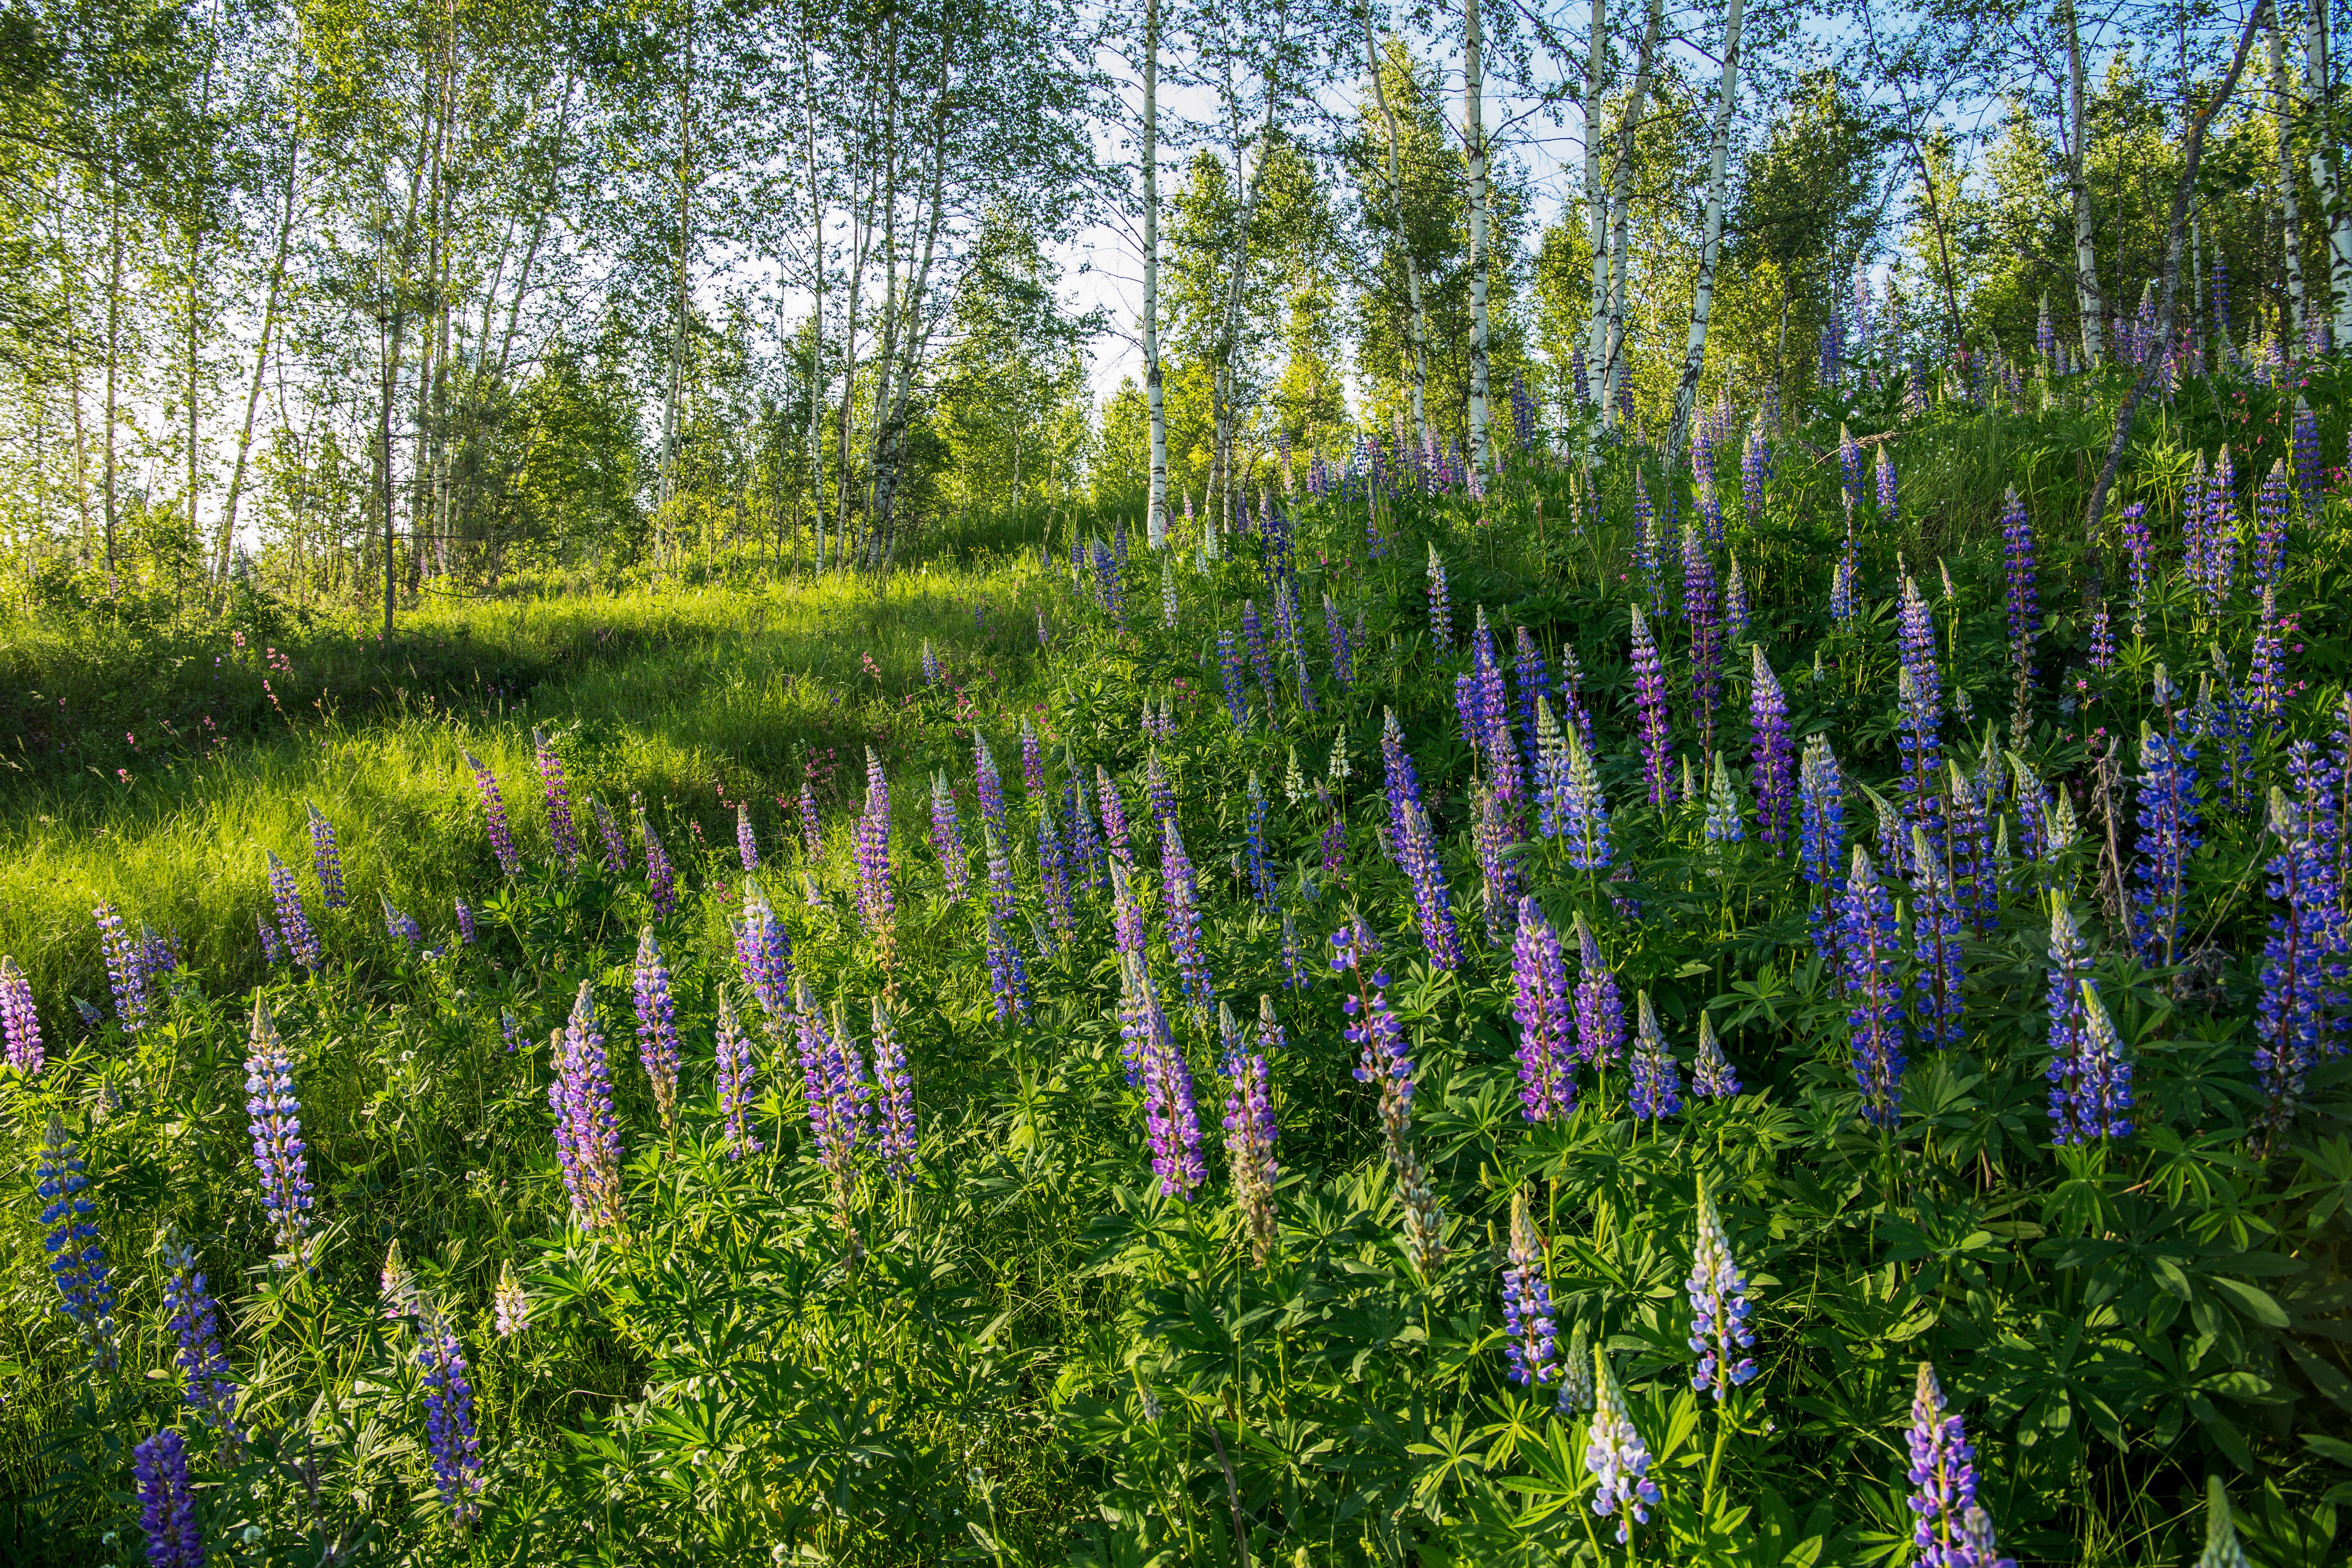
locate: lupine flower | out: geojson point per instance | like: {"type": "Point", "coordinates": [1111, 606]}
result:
{"type": "Point", "coordinates": [893, 1087]}
{"type": "Point", "coordinates": [2024, 609]}
{"type": "Point", "coordinates": [1491, 836]}
{"type": "Point", "coordinates": [1550, 769]}
{"type": "Point", "coordinates": [2069, 964]}
{"type": "Point", "coordinates": [2167, 835]}
{"type": "Point", "coordinates": [464, 922]}
{"type": "Point", "coordinates": [1261, 877]}
{"type": "Point", "coordinates": [326, 858]}
{"type": "Point", "coordinates": [1229, 668]}
{"type": "Point", "coordinates": [1773, 760]}
{"type": "Point", "coordinates": [1886, 477]}
{"type": "Point", "coordinates": [1250, 1134]}
{"type": "Point", "coordinates": [1157, 790]}
{"type": "Point", "coordinates": [494, 813]}
{"type": "Point", "coordinates": [1379, 1037]}
{"type": "Point", "coordinates": [1532, 682]}
{"type": "Point", "coordinates": [1720, 1306]}
{"type": "Point", "coordinates": [20, 1023]}
{"type": "Point", "coordinates": [273, 946]}
{"type": "Point", "coordinates": [1171, 1114]}
{"type": "Point", "coordinates": [763, 955]}
{"type": "Point", "coordinates": [1869, 939]}
{"type": "Point", "coordinates": [1699, 609]}
{"type": "Point", "coordinates": [1724, 822]}
{"type": "Point", "coordinates": [587, 1137]}
{"type": "Point", "coordinates": [1183, 917]}
{"type": "Point", "coordinates": [1752, 466]}
{"type": "Point", "coordinates": [2301, 1008]}
{"type": "Point", "coordinates": [2139, 548]}
{"type": "Point", "coordinates": [1921, 696]}
{"type": "Point", "coordinates": [947, 837]}
{"type": "Point", "coordinates": [1650, 688]}
{"type": "Point", "coordinates": [1647, 550]}
{"type": "Point", "coordinates": [1440, 622]}
{"type": "Point", "coordinates": [747, 843]}
{"type": "Point", "coordinates": [1416, 856]}
{"type": "Point", "coordinates": [1616, 1456]}
{"type": "Point", "coordinates": [1711, 1073]}
{"type": "Point", "coordinates": [209, 1387]}
{"type": "Point", "coordinates": [811, 841]}
{"type": "Point", "coordinates": [1008, 972]}
{"type": "Point", "coordinates": [1540, 1002]}
{"type": "Point", "coordinates": [451, 1444]}
{"type": "Point", "coordinates": [2270, 528]}
{"type": "Point", "coordinates": [167, 1502]}
{"type": "Point", "coordinates": [615, 857]}
{"type": "Point", "coordinates": [1528, 1339]}
{"type": "Point", "coordinates": [1976, 884]}
{"type": "Point", "coordinates": [1657, 1089]}
{"type": "Point", "coordinates": [77, 1257]}
{"type": "Point", "coordinates": [126, 968]}
{"type": "Point", "coordinates": [2221, 1548]}
{"type": "Point", "coordinates": [509, 1307]}
{"type": "Point", "coordinates": [1168, 616]}
{"type": "Point", "coordinates": [1599, 1009]}
{"type": "Point", "coordinates": [1736, 619]}
{"type": "Point", "coordinates": [1403, 781]}
{"type": "Point", "coordinates": [1494, 737]}
{"type": "Point", "coordinates": [401, 928]}
{"type": "Point", "coordinates": [1261, 659]}
{"type": "Point", "coordinates": [1936, 946]}
{"type": "Point", "coordinates": [738, 1069]}
{"type": "Point", "coordinates": [276, 1124]}
{"type": "Point", "coordinates": [1844, 591]}
{"type": "Point", "coordinates": [1583, 810]}
{"type": "Point", "coordinates": [1943, 1477]}
{"type": "Point", "coordinates": [560, 831]}
{"type": "Point", "coordinates": [657, 1045]}
{"type": "Point", "coordinates": [2220, 562]}
{"type": "Point", "coordinates": [396, 1285]}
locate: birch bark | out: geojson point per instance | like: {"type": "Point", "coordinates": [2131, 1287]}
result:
{"type": "Point", "coordinates": [1154, 391]}
{"type": "Point", "coordinates": [1711, 238]}
{"type": "Point", "coordinates": [1474, 142]}
{"type": "Point", "coordinates": [2088, 306]}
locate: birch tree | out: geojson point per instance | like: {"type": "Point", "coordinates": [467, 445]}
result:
{"type": "Point", "coordinates": [1711, 235]}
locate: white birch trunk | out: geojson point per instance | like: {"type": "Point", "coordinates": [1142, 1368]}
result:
{"type": "Point", "coordinates": [2088, 305]}
{"type": "Point", "coordinates": [260, 354]}
{"type": "Point", "coordinates": [1711, 238]}
{"type": "Point", "coordinates": [1474, 133]}
{"type": "Point", "coordinates": [2327, 171]}
{"type": "Point", "coordinates": [1154, 392]}
{"type": "Point", "coordinates": [1417, 322]}
{"type": "Point", "coordinates": [1596, 207]}
{"type": "Point", "coordinates": [1621, 213]}
{"type": "Point", "coordinates": [2290, 213]}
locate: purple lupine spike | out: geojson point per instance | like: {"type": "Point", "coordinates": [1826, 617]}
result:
{"type": "Point", "coordinates": [812, 837]}
{"type": "Point", "coordinates": [988, 784]}
{"type": "Point", "coordinates": [946, 838]}
{"type": "Point", "coordinates": [2269, 529]}
{"type": "Point", "coordinates": [2309, 472]}
{"type": "Point", "coordinates": [1919, 689]}
{"type": "Point", "coordinates": [1572, 709]}
{"type": "Point", "coordinates": [1250, 1134]}
{"type": "Point", "coordinates": [657, 1046]}
{"type": "Point", "coordinates": [464, 922]}
{"type": "Point", "coordinates": [1599, 1009]}
{"type": "Point", "coordinates": [837, 1096]}
{"type": "Point", "coordinates": [1549, 768]}
{"type": "Point", "coordinates": [451, 1444]}
{"type": "Point", "coordinates": [1529, 1339]}
{"type": "Point", "coordinates": [208, 1385]}
{"type": "Point", "coordinates": [1403, 781]}
{"type": "Point", "coordinates": [1531, 679]}
{"type": "Point", "coordinates": [2139, 548]}
{"type": "Point", "coordinates": [494, 814]}
{"type": "Point", "coordinates": [747, 843]}
{"type": "Point", "coordinates": [2022, 596]}
{"type": "Point", "coordinates": [1540, 1003]}
{"type": "Point", "coordinates": [1008, 971]}
{"type": "Point", "coordinates": [1378, 1036]}
{"type": "Point", "coordinates": [1724, 823]}
{"type": "Point", "coordinates": [1441, 615]}
{"type": "Point", "coordinates": [20, 1021]}
{"type": "Point", "coordinates": [615, 857]}
{"type": "Point", "coordinates": [738, 1069]}
{"type": "Point", "coordinates": [1491, 835]}
{"type": "Point", "coordinates": [1752, 466]}
{"type": "Point", "coordinates": [1229, 669]}
{"type": "Point", "coordinates": [167, 1502]}
{"type": "Point", "coordinates": [1033, 760]}
{"type": "Point", "coordinates": [1943, 1477]}
{"type": "Point", "coordinates": [2300, 1013]}
{"type": "Point", "coordinates": [894, 1089]}
{"type": "Point", "coordinates": [1650, 687]}
{"type": "Point", "coordinates": [1054, 876]}
{"type": "Point", "coordinates": [273, 946]}
{"type": "Point", "coordinates": [587, 1136]}
{"type": "Point", "coordinates": [1976, 883]}
{"type": "Point", "coordinates": [1720, 1306]}
{"type": "Point", "coordinates": [2265, 692]}
{"type": "Point", "coordinates": [401, 928]}
{"type": "Point", "coordinates": [1343, 653]}
{"type": "Point", "coordinates": [1494, 737]}
{"type": "Point", "coordinates": [276, 1124]}
{"type": "Point", "coordinates": [1645, 543]}
{"type": "Point", "coordinates": [1171, 1114]}
{"type": "Point", "coordinates": [1886, 477]}
{"type": "Point", "coordinates": [1093, 874]}
{"type": "Point", "coordinates": [1261, 659]}
{"type": "Point", "coordinates": [1658, 1087]}
{"type": "Point", "coordinates": [1844, 582]}
{"type": "Point", "coordinates": [126, 968]}
{"type": "Point", "coordinates": [1870, 940]}
{"type": "Point", "coordinates": [1116, 844]}
{"type": "Point", "coordinates": [1616, 1456]}
{"type": "Point", "coordinates": [1270, 1037]}
{"type": "Point", "coordinates": [2221, 534]}
{"type": "Point", "coordinates": [1773, 759]}
{"type": "Point", "coordinates": [1179, 886]}
{"type": "Point", "coordinates": [1585, 810]}
{"type": "Point", "coordinates": [561, 832]}
{"type": "Point", "coordinates": [763, 955]}
{"type": "Point", "coordinates": [2169, 833]}
{"type": "Point", "coordinates": [1712, 1076]}
{"type": "Point", "coordinates": [1703, 615]}
{"type": "Point", "coordinates": [1157, 790]}
{"type": "Point", "coordinates": [77, 1256]}
{"type": "Point", "coordinates": [1737, 621]}
{"type": "Point", "coordinates": [1416, 856]}
{"type": "Point", "coordinates": [1936, 946]}
{"type": "Point", "coordinates": [1261, 873]}
{"type": "Point", "coordinates": [326, 858]}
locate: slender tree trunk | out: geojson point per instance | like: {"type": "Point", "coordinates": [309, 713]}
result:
{"type": "Point", "coordinates": [2290, 213]}
{"type": "Point", "coordinates": [113, 349]}
{"type": "Point", "coordinates": [884, 358]}
{"type": "Point", "coordinates": [1225, 383]}
{"type": "Point", "coordinates": [2192, 154]}
{"type": "Point", "coordinates": [859, 227]}
{"type": "Point", "coordinates": [1156, 524]}
{"type": "Point", "coordinates": [1474, 144]}
{"type": "Point", "coordinates": [2328, 169]}
{"type": "Point", "coordinates": [260, 352]}
{"type": "Point", "coordinates": [1417, 323]}
{"type": "Point", "coordinates": [816, 328]}
{"type": "Point", "coordinates": [1596, 204]}
{"type": "Point", "coordinates": [1711, 238]}
{"type": "Point", "coordinates": [1621, 211]}
{"type": "Point", "coordinates": [69, 274]}
{"type": "Point", "coordinates": [914, 339]}
{"type": "Point", "coordinates": [2088, 307]}
{"type": "Point", "coordinates": [666, 490]}
{"type": "Point", "coordinates": [539, 223]}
